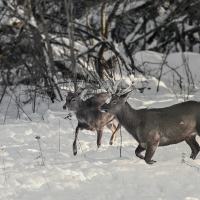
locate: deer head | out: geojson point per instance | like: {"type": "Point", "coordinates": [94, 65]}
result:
{"type": "Point", "coordinates": [118, 98]}
{"type": "Point", "coordinates": [74, 99]}
{"type": "Point", "coordinates": [116, 103]}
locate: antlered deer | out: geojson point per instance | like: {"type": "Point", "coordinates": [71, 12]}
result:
{"type": "Point", "coordinates": [89, 116]}
{"type": "Point", "coordinates": [157, 127]}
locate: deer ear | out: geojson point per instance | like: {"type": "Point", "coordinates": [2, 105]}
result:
{"type": "Point", "coordinates": [125, 96]}
{"type": "Point", "coordinates": [82, 93]}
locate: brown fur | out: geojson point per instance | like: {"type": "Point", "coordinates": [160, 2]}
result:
{"type": "Point", "coordinates": [158, 127]}
{"type": "Point", "coordinates": [89, 116]}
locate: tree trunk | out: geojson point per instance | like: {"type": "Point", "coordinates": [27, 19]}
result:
{"type": "Point", "coordinates": [69, 12]}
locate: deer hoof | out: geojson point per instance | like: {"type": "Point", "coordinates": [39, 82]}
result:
{"type": "Point", "coordinates": [111, 143]}
{"type": "Point", "coordinates": [151, 162]}
{"type": "Point", "coordinates": [74, 151]}
{"type": "Point", "coordinates": [193, 156]}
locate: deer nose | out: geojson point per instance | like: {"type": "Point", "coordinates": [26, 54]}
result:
{"type": "Point", "coordinates": [103, 109]}
{"type": "Point", "coordinates": [64, 107]}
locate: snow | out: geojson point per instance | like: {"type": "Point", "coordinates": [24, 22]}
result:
{"type": "Point", "coordinates": [36, 156]}
{"type": "Point", "coordinates": [180, 71]}
{"type": "Point", "coordinates": [7, 20]}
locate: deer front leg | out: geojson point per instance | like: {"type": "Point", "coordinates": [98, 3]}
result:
{"type": "Point", "coordinates": [78, 129]}
{"type": "Point", "coordinates": [99, 136]}
{"type": "Point", "coordinates": [114, 129]}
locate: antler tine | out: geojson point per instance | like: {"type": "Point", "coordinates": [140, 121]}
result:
{"type": "Point", "coordinates": [111, 90]}
{"type": "Point", "coordinates": [123, 91]}
{"type": "Point", "coordinates": [70, 85]}
{"type": "Point", "coordinates": [80, 87]}
{"type": "Point", "coordinates": [118, 92]}
{"type": "Point", "coordinates": [110, 93]}
{"type": "Point", "coordinates": [115, 88]}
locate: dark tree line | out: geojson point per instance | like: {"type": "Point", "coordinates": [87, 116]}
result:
{"type": "Point", "coordinates": [43, 40]}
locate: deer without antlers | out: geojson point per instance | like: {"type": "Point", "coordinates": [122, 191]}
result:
{"type": "Point", "coordinates": [89, 116]}
{"type": "Point", "coordinates": [157, 127]}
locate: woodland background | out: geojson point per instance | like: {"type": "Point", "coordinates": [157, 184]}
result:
{"type": "Point", "coordinates": [48, 47]}
{"type": "Point", "coordinates": [46, 43]}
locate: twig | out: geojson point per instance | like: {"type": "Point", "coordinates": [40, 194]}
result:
{"type": "Point", "coordinates": [18, 104]}
{"type": "Point", "coordinates": [59, 133]}
{"type": "Point", "coordinates": [162, 69]}
{"type": "Point", "coordinates": [24, 184]}
{"type": "Point", "coordinates": [7, 111]}
{"type": "Point", "coordinates": [44, 177]}
{"type": "Point", "coordinates": [121, 143]}
{"type": "Point", "coordinates": [4, 91]}
{"type": "Point", "coordinates": [18, 153]}
{"type": "Point", "coordinates": [188, 73]}
{"type": "Point", "coordinates": [4, 167]}
{"type": "Point", "coordinates": [186, 162]}
{"type": "Point", "coordinates": [38, 139]}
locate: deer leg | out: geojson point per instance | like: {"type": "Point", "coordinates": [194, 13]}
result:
{"type": "Point", "coordinates": [99, 136]}
{"type": "Point", "coordinates": [138, 151]}
{"type": "Point", "coordinates": [191, 141]}
{"type": "Point", "coordinates": [151, 148]}
{"type": "Point", "coordinates": [78, 129]}
{"type": "Point", "coordinates": [114, 129]}
{"type": "Point", "coordinates": [114, 135]}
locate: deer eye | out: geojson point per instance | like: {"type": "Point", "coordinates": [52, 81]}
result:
{"type": "Point", "coordinates": [114, 102]}
{"type": "Point", "coordinates": [73, 99]}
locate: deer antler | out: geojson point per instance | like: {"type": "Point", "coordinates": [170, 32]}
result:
{"type": "Point", "coordinates": [125, 90]}
{"type": "Point", "coordinates": [70, 85]}
{"type": "Point", "coordinates": [115, 87]}
{"type": "Point", "coordinates": [121, 91]}
{"type": "Point", "coordinates": [79, 87]}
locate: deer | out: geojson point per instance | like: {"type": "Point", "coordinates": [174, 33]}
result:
{"type": "Point", "coordinates": [89, 116]}
{"type": "Point", "coordinates": [155, 127]}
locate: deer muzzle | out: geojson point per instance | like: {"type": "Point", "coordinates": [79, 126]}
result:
{"type": "Point", "coordinates": [65, 107]}
{"type": "Point", "coordinates": [103, 108]}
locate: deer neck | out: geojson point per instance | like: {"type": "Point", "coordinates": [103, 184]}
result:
{"type": "Point", "coordinates": [127, 117]}
{"type": "Point", "coordinates": [81, 111]}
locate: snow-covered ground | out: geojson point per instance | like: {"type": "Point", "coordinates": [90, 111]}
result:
{"type": "Point", "coordinates": [37, 162]}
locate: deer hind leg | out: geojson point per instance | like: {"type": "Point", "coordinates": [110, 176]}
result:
{"type": "Point", "coordinates": [149, 154]}
{"type": "Point", "coordinates": [99, 136]}
{"type": "Point", "coordinates": [114, 129]}
{"type": "Point", "coordinates": [138, 151]}
{"type": "Point", "coordinates": [150, 150]}
{"type": "Point", "coordinates": [191, 141]}
{"type": "Point", "coordinates": [78, 129]}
